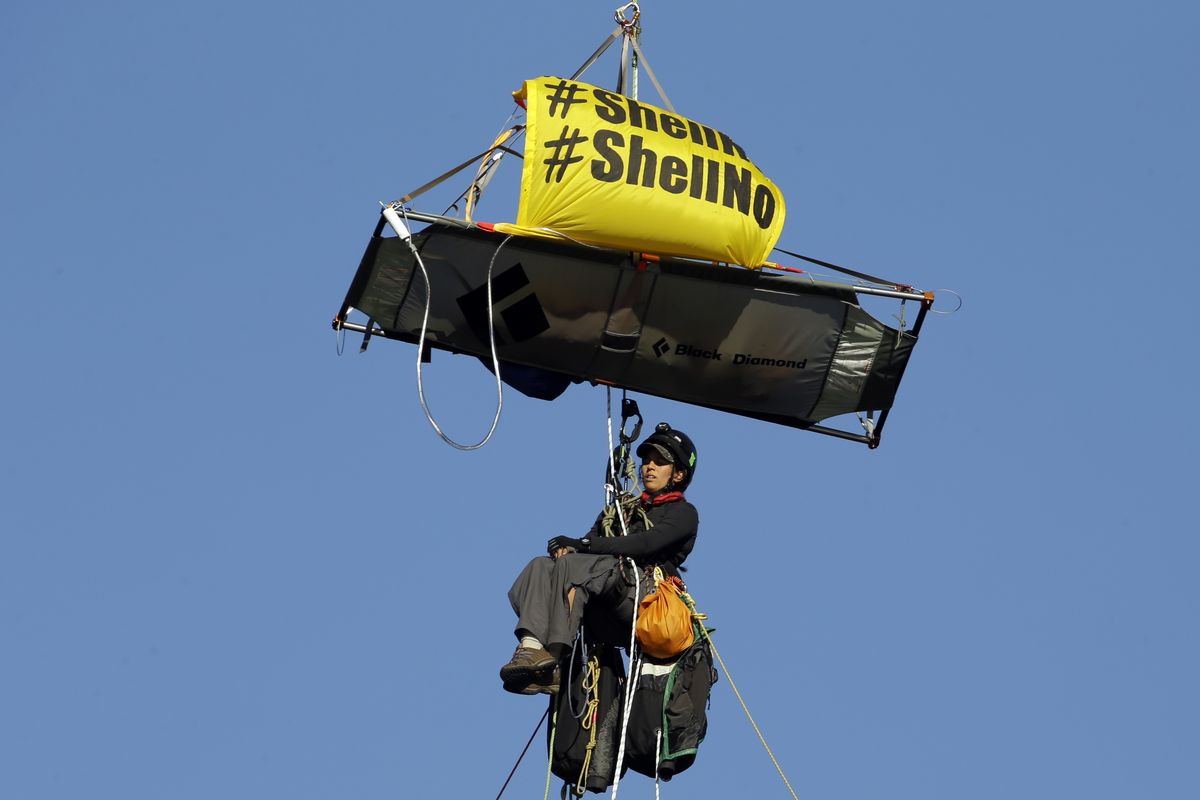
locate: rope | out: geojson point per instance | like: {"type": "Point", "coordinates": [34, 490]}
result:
{"type": "Point", "coordinates": [700, 617]}
{"type": "Point", "coordinates": [550, 759]}
{"type": "Point", "coordinates": [619, 501]}
{"type": "Point", "coordinates": [492, 341]}
{"type": "Point", "coordinates": [633, 662]}
{"type": "Point", "coordinates": [513, 771]}
{"type": "Point", "coordinates": [612, 469]}
{"type": "Point", "coordinates": [635, 667]}
{"type": "Point", "coordinates": [657, 759]}
{"type": "Point", "coordinates": [590, 683]}
{"type": "Point", "coordinates": [571, 673]}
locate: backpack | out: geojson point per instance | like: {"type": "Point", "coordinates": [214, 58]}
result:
{"type": "Point", "coordinates": [669, 715]}
{"type": "Point", "coordinates": [587, 727]}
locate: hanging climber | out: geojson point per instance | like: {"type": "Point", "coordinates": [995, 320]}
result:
{"type": "Point", "coordinates": [551, 593]}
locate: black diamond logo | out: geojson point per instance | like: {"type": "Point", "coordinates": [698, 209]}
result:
{"type": "Point", "coordinates": [661, 346]}
{"type": "Point", "coordinates": [522, 315]}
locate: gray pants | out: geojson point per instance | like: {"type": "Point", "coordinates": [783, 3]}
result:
{"type": "Point", "coordinates": [539, 597]}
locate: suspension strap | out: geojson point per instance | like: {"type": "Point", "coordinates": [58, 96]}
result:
{"type": "Point", "coordinates": [637, 49]}
{"type": "Point", "coordinates": [497, 145]}
{"type": "Point", "coordinates": [862, 276]}
{"type": "Point", "coordinates": [483, 175]}
{"type": "Point", "coordinates": [612, 37]}
{"type": "Point", "coordinates": [622, 77]}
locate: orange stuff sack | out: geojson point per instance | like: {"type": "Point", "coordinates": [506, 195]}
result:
{"type": "Point", "coordinates": [664, 623]}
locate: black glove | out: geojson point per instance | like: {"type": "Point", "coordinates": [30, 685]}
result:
{"type": "Point", "coordinates": [567, 543]}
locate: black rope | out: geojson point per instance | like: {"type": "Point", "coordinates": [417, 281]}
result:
{"type": "Point", "coordinates": [523, 752]}
{"type": "Point", "coordinates": [860, 275]}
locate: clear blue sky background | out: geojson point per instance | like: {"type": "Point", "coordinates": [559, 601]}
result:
{"type": "Point", "coordinates": [235, 565]}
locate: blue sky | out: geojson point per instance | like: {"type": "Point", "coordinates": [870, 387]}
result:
{"type": "Point", "coordinates": [235, 564]}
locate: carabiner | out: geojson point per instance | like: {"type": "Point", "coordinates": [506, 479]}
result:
{"type": "Point", "coordinates": [628, 24]}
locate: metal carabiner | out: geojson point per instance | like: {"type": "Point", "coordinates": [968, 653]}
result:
{"type": "Point", "coordinates": [619, 15]}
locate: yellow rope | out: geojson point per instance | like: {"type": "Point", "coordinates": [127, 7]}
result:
{"type": "Point", "coordinates": [591, 685]}
{"type": "Point", "coordinates": [550, 760]}
{"type": "Point", "coordinates": [700, 619]}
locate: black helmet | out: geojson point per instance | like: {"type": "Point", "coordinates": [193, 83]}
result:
{"type": "Point", "coordinates": [675, 446]}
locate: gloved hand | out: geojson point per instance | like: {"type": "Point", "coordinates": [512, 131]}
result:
{"type": "Point", "coordinates": [567, 543]}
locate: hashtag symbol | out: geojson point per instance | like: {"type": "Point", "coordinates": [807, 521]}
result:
{"type": "Point", "coordinates": [563, 96]}
{"type": "Point", "coordinates": [561, 159]}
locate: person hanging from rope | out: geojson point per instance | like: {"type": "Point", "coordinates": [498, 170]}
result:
{"type": "Point", "coordinates": [551, 593]}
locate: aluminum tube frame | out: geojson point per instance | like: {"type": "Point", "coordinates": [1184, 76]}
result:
{"type": "Point", "coordinates": [876, 291]}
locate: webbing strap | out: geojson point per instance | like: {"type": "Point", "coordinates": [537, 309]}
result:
{"type": "Point", "coordinates": [622, 70]}
{"type": "Point", "coordinates": [451, 173]}
{"type": "Point", "coordinates": [612, 37]}
{"type": "Point", "coordinates": [860, 275]}
{"type": "Point", "coordinates": [653, 79]}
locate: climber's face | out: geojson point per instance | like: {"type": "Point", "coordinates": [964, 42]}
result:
{"type": "Point", "coordinates": [657, 472]}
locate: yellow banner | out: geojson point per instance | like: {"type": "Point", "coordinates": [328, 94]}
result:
{"type": "Point", "coordinates": [608, 170]}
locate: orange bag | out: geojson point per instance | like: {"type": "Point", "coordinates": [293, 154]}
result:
{"type": "Point", "coordinates": [664, 624]}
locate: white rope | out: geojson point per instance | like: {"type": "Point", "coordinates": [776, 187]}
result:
{"type": "Point", "coordinates": [612, 488]}
{"type": "Point", "coordinates": [634, 663]}
{"type": "Point", "coordinates": [657, 760]}
{"type": "Point", "coordinates": [492, 341]}
{"type": "Point", "coordinates": [635, 668]}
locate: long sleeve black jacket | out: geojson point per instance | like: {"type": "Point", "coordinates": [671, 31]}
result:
{"type": "Point", "coordinates": [667, 542]}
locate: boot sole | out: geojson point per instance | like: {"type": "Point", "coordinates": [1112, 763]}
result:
{"type": "Point", "coordinates": [522, 673]}
{"type": "Point", "coordinates": [519, 687]}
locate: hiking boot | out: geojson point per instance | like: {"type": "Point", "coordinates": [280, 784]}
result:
{"type": "Point", "coordinates": [526, 663]}
{"type": "Point", "coordinates": [536, 685]}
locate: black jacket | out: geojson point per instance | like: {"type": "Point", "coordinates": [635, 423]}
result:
{"type": "Point", "coordinates": [667, 542]}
